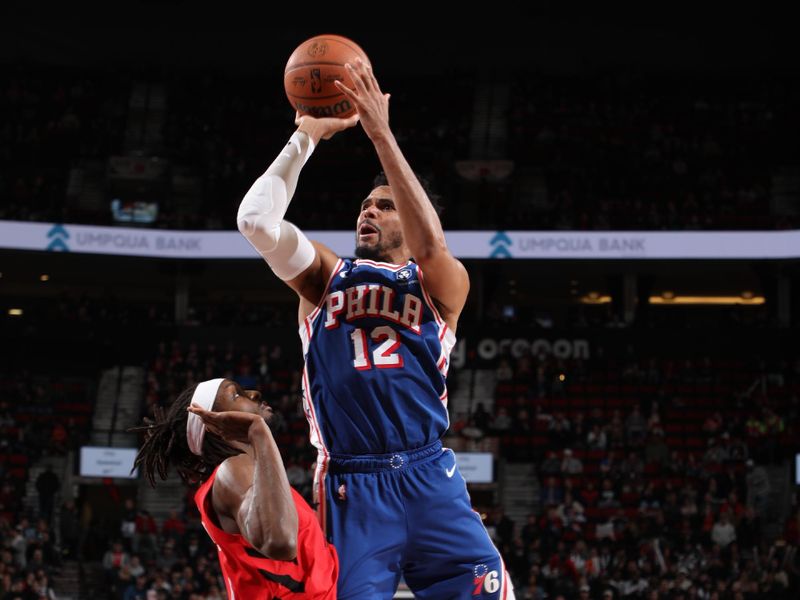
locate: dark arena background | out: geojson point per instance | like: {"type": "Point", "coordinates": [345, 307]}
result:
{"type": "Point", "coordinates": [624, 192]}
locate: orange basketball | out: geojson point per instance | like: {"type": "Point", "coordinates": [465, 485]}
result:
{"type": "Point", "coordinates": [312, 69]}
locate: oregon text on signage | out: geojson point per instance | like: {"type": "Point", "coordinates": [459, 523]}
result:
{"type": "Point", "coordinates": [490, 348]}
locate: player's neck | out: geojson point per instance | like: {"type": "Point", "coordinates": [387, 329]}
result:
{"type": "Point", "coordinates": [400, 256]}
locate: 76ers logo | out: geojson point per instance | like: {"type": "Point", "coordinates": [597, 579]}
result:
{"type": "Point", "coordinates": [485, 580]}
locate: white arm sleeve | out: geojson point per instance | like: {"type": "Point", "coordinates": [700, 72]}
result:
{"type": "Point", "coordinates": [260, 219]}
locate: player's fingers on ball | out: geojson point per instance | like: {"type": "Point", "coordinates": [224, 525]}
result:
{"type": "Point", "coordinates": [356, 77]}
{"type": "Point", "coordinates": [345, 90]}
{"type": "Point", "coordinates": [359, 84]}
{"type": "Point", "coordinates": [366, 78]}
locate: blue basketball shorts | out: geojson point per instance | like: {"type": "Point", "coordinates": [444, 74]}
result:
{"type": "Point", "coordinates": [408, 514]}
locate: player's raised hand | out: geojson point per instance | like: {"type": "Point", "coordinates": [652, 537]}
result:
{"type": "Point", "coordinates": [323, 128]}
{"type": "Point", "coordinates": [370, 102]}
{"type": "Point", "coordinates": [232, 425]}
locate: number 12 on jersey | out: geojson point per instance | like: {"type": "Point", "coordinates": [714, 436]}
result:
{"type": "Point", "coordinates": [384, 356]}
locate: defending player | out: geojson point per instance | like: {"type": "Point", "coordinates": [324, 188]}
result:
{"type": "Point", "coordinates": [270, 544]}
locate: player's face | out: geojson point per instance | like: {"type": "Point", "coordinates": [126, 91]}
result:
{"type": "Point", "coordinates": [378, 229]}
{"type": "Point", "coordinates": [231, 396]}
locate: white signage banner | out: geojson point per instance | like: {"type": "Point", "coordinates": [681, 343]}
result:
{"type": "Point", "coordinates": [476, 467]}
{"type": "Point", "coordinates": [630, 244]}
{"type": "Point", "coordinates": [102, 461]}
{"type": "Point", "coordinates": [610, 245]}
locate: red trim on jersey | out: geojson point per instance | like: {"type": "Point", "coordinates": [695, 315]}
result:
{"type": "Point", "coordinates": [504, 575]}
{"type": "Point", "coordinates": [309, 320]}
{"type": "Point", "coordinates": [322, 456]}
{"type": "Point", "coordinates": [381, 265]}
{"type": "Point", "coordinates": [428, 299]}
{"type": "Point", "coordinates": [251, 575]}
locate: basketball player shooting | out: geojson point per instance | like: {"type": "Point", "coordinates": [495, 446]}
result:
{"type": "Point", "coordinates": [377, 334]}
{"type": "Point", "coordinates": [270, 544]}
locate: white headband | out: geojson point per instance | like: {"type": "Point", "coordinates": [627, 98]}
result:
{"type": "Point", "coordinates": [204, 396]}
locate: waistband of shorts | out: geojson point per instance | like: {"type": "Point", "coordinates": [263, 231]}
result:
{"type": "Point", "coordinates": [375, 463]}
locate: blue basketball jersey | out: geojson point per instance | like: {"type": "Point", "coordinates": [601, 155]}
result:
{"type": "Point", "coordinates": [376, 358]}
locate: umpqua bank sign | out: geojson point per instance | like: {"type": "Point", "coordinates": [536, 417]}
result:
{"type": "Point", "coordinates": [489, 348]}
{"type": "Point", "coordinates": [61, 238]}
{"type": "Point", "coordinates": [125, 241]}
{"type": "Point", "coordinates": [497, 245]}
{"type": "Point", "coordinates": [580, 245]}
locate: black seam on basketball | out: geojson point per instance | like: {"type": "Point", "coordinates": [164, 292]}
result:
{"type": "Point", "coordinates": [327, 63]}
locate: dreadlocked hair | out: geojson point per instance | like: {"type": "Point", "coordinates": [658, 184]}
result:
{"type": "Point", "coordinates": [165, 444]}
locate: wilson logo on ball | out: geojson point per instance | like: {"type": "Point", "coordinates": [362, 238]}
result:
{"type": "Point", "coordinates": [333, 110]}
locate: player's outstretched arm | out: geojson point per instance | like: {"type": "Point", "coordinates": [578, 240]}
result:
{"type": "Point", "coordinates": [304, 266]}
{"type": "Point", "coordinates": [422, 230]}
{"type": "Point", "coordinates": [253, 492]}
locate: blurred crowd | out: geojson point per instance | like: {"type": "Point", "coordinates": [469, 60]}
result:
{"type": "Point", "coordinates": [175, 558]}
{"type": "Point", "coordinates": [29, 557]}
{"type": "Point", "coordinates": [50, 119]}
{"type": "Point", "coordinates": [40, 418]}
{"type": "Point", "coordinates": [653, 476]}
{"type": "Point", "coordinates": [75, 311]}
{"type": "Point", "coordinates": [653, 152]}
{"type": "Point", "coordinates": [663, 546]}
{"type": "Point", "coordinates": [601, 152]}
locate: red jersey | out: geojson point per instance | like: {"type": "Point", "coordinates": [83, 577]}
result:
{"type": "Point", "coordinates": [249, 575]}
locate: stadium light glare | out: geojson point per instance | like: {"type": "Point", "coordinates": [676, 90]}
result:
{"type": "Point", "coordinates": [595, 298]}
{"type": "Point", "coordinates": [743, 300]}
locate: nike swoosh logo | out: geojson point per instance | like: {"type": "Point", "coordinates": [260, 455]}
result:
{"type": "Point", "coordinates": [450, 472]}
